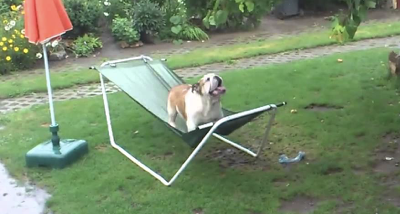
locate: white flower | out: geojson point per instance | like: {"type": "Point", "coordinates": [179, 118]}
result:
{"type": "Point", "coordinates": [106, 14]}
{"type": "Point", "coordinates": [39, 55]}
{"type": "Point", "coordinates": [54, 44]}
{"type": "Point", "coordinates": [107, 3]}
{"type": "Point", "coordinates": [48, 44]}
{"type": "Point", "coordinates": [23, 31]}
{"type": "Point", "coordinates": [7, 28]}
{"type": "Point", "coordinates": [12, 23]}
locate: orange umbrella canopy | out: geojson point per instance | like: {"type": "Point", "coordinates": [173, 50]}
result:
{"type": "Point", "coordinates": [45, 20]}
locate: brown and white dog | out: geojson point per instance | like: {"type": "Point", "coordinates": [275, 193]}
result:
{"type": "Point", "coordinates": [198, 103]}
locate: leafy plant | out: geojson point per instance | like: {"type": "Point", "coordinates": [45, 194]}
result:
{"type": "Point", "coordinates": [86, 45]}
{"type": "Point", "coordinates": [183, 30]}
{"type": "Point", "coordinates": [344, 27]}
{"type": "Point", "coordinates": [114, 8]}
{"type": "Point", "coordinates": [147, 17]}
{"type": "Point", "coordinates": [122, 30]}
{"type": "Point", "coordinates": [84, 16]}
{"type": "Point", "coordinates": [216, 14]}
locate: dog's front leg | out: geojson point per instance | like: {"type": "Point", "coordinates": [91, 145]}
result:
{"type": "Point", "coordinates": [191, 125]}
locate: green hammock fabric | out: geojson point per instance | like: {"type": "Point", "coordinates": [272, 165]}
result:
{"type": "Point", "coordinates": [148, 83]}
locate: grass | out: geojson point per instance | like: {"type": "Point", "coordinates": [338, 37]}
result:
{"type": "Point", "coordinates": [336, 142]}
{"type": "Point", "coordinates": [199, 57]}
{"type": "Point", "coordinates": [37, 83]}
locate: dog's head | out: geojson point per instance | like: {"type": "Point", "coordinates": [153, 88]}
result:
{"type": "Point", "coordinates": [210, 84]}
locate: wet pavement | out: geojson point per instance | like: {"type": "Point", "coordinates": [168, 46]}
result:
{"type": "Point", "coordinates": [17, 199]}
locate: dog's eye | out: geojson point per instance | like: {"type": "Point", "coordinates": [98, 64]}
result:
{"type": "Point", "coordinates": [208, 79]}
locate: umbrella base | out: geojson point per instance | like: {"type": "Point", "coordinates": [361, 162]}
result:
{"type": "Point", "coordinates": [45, 155]}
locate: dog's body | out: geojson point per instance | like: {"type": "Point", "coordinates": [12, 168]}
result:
{"type": "Point", "coordinates": [198, 103]}
{"type": "Point", "coordinates": [394, 63]}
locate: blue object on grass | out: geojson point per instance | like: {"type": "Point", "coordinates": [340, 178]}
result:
{"type": "Point", "coordinates": [285, 159]}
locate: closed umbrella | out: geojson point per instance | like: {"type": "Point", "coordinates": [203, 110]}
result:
{"type": "Point", "coordinates": [46, 20]}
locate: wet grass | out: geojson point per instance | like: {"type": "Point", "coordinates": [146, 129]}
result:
{"type": "Point", "coordinates": [106, 182]}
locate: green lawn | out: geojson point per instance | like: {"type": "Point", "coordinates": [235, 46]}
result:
{"type": "Point", "coordinates": [205, 56]}
{"type": "Point", "coordinates": [338, 172]}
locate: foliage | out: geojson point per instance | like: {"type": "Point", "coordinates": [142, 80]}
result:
{"type": "Point", "coordinates": [344, 27]}
{"type": "Point", "coordinates": [4, 8]}
{"type": "Point", "coordinates": [13, 2]}
{"type": "Point", "coordinates": [148, 17]}
{"type": "Point", "coordinates": [16, 52]}
{"type": "Point", "coordinates": [86, 45]}
{"type": "Point", "coordinates": [122, 30]}
{"type": "Point", "coordinates": [183, 30]}
{"type": "Point", "coordinates": [229, 13]}
{"type": "Point", "coordinates": [114, 8]}
{"type": "Point", "coordinates": [84, 16]}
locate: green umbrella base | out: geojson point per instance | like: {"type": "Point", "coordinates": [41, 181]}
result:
{"type": "Point", "coordinates": [45, 155]}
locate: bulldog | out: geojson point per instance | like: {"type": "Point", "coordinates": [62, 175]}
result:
{"type": "Point", "coordinates": [197, 104]}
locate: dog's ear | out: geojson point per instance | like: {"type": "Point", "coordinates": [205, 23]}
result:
{"type": "Point", "coordinates": [196, 88]}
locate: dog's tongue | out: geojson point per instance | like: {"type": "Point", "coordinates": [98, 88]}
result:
{"type": "Point", "coordinates": [219, 90]}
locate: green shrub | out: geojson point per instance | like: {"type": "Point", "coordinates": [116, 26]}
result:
{"type": "Point", "coordinates": [16, 53]}
{"type": "Point", "coordinates": [148, 17]}
{"type": "Point", "coordinates": [114, 8]}
{"type": "Point", "coordinates": [184, 30]}
{"type": "Point", "coordinates": [4, 8]}
{"type": "Point", "coordinates": [84, 16]}
{"type": "Point", "coordinates": [217, 14]}
{"type": "Point", "coordinates": [12, 2]}
{"type": "Point", "coordinates": [86, 45]}
{"type": "Point", "coordinates": [122, 30]}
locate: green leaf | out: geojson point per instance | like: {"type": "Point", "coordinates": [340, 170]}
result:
{"type": "Point", "coordinates": [176, 29]}
{"type": "Point", "coordinates": [241, 7]}
{"type": "Point", "coordinates": [362, 13]}
{"type": "Point", "coordinates": [175, 20]}
{"type": "Point", "coordinates": [239, 1]}
{"type": "Point", "coordinates": [206, 22]}
{"type": "Point", "coordinates": [370, 4]}
{"type": "Point", "coordinates": [221, 16]}
{"type": "Point", "coordinates": [249, 5]}
{"type": "Point", "coordinates": [212, 20]}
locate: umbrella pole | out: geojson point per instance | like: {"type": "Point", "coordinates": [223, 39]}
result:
{"type": "Point", "coordinates": [55, 139]}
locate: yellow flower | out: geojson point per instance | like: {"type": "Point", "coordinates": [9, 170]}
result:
{"type": "Point", "coordinates": [10, 41]}
{"type": "Point", "coordinates": [8, 58]}
{"type": "Point", "coordinates": [1, 43]}
{"type": "Point", "coordinates": [4, 39]}
{"type": "Point", "coordinates": [22, 36]}
{"type": "Point", "coordinates": [5, 21]}
{"type": "Point", "coordinates": [13, 36]}
{"type": "Point", "coordinates": [16, 49]}
{"type": "Point", "coordinates": [23, 12]}
{"type": "Point", "coordinates": [13, 7]}
{"type": "Point", "coordinates": [11, 46]}
{"type": "Point", "coordinates": [5, 48]}
{"type": "Point", "coordinates": [26, 50]}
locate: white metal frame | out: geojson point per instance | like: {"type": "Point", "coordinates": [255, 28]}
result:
{"type": "Point", "coordinates": [210, 133]}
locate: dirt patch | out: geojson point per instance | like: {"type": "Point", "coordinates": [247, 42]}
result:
{"type": "Point", "coordinates": [300, 205]}
{"type": "Point", "coordinates": [102, 147]}
{"type": "Point", "coordinates": [332, 170]}
{"type": "Point", "coordinates": [322, 107]}
{"type": "Point", "coordinates": [387, 156]}
{"type": "Point", "coordinates": [234, 158]}
{"type": "Point", "coordinates": [198, 211]}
